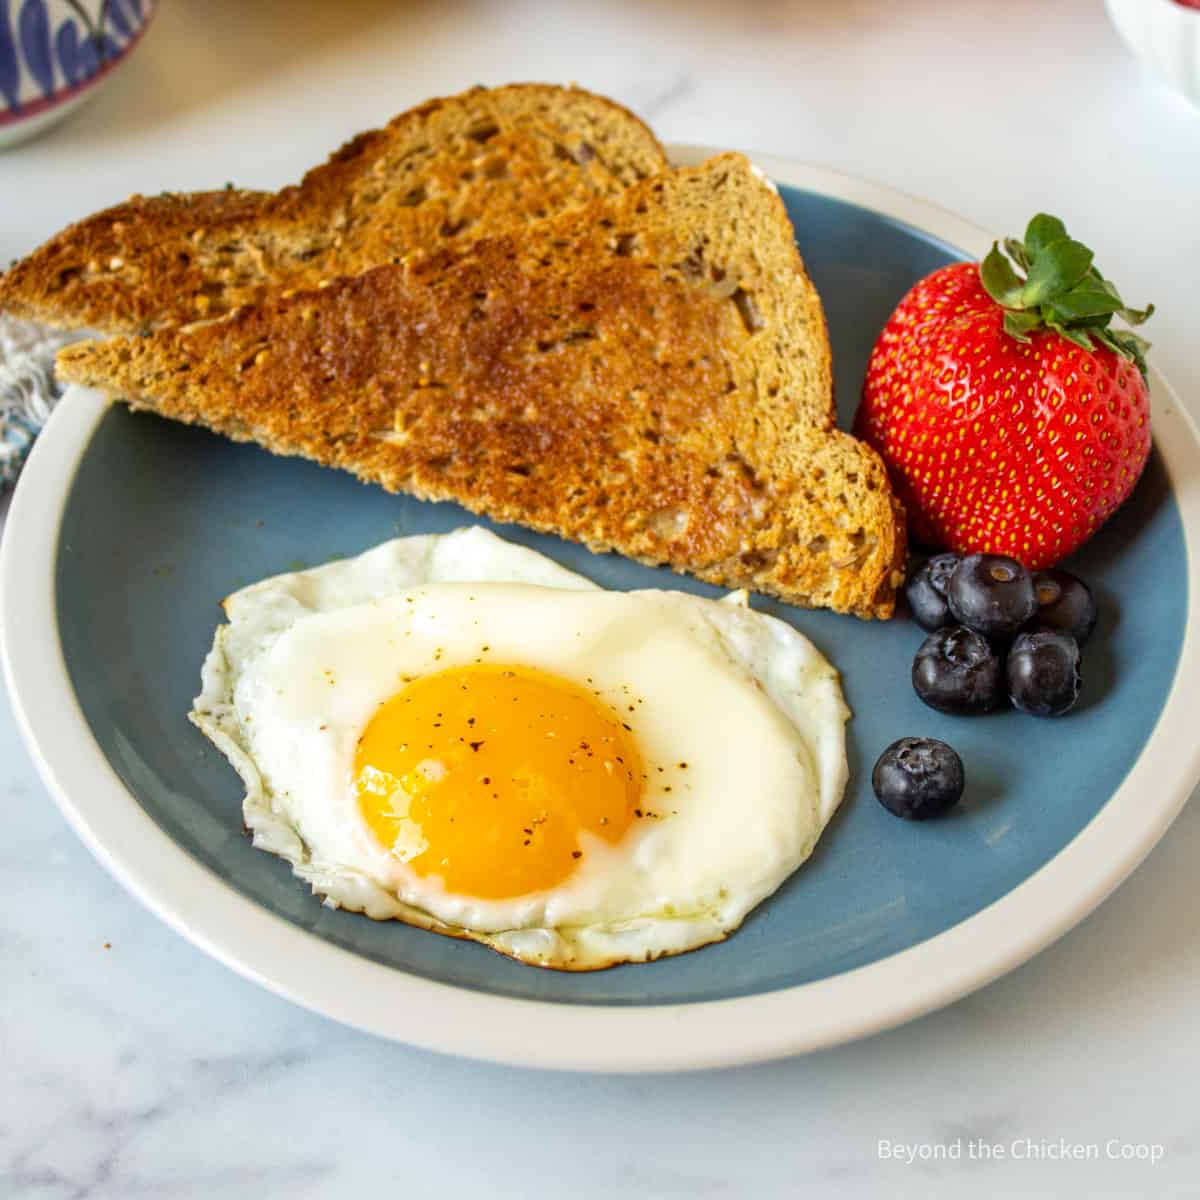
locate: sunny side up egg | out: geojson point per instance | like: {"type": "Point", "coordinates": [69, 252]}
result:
{"type": "Point", "coordinates": [455, 732]}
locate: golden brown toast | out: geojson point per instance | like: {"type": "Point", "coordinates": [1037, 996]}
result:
{"type": "Point", "coordinates": [463, 167]}
{"type": "Point", "coordinates": [650, 374]}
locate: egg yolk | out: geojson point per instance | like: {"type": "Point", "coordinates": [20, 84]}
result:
{"type": "Point", "coordinates": [488, 775]}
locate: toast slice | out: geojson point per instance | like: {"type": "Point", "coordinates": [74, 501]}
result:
{"type": "Point", "coordinates": [463, 167]}
{"type": "Point", "coordinates": [650, 374]}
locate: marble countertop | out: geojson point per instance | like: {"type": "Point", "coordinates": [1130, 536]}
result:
{"type": "Point", "coordinates": [134, 1065]}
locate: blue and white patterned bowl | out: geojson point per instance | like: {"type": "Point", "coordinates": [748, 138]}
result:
{"type": "Point", "coordinates": [53, 54]}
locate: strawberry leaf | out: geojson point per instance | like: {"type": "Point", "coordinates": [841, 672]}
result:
{"type": "Point", "coordinates": [1041, 231]}
{"type": "Point", "coordinates": [1126, 344]}
{"type": "Point", "coordinates": [1016, 251]}
{"type": "Point", "coordinates": [999, 280]}
{"type": "Point", "coordinates": [1056, 268]}
{"type": "Point", "coordinates": [1088, 298]}
{"type": "Point", "coordinates": [1020, 324]}
{"type": "Point", "coordinates": [1136, 316]}
{"type": "Point", "coordinates": [1080, 337]}
{"type": "Point", "coordinates": [1133, 341]}
{"type": "Point", "coordinates": [1063, 291]}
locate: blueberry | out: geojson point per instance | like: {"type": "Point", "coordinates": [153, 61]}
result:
{"type": "Point", "coordinates": [1065, 604]}
{"type": "Point", "coordinates": [991, 594]}
{"type": "Point", "coordinates": [918, 778]}
{"type": "Point", "coordinates": [926, 591]}
{"type": "Point", "coordinates": [957, 671]}
{"type": "Point", "coordinates": [1043, 673]}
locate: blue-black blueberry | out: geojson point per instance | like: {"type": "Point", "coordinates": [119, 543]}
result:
{"type": "Point", "coordinates": [1043, 673]}
{"type": "Point", "coordinates": [918, 778]}
{"type": "Point", "coordinates": [991, 594]}
{"type": "Point", "coordinates": [1065, 604]}
{"type": "Point", "coordinates": [956, 670]}
{"type": "Point", "coordinates": [926, 591]}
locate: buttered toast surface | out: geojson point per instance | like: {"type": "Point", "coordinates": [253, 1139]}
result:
{"type": "Point", "coordinates": [648, 374]}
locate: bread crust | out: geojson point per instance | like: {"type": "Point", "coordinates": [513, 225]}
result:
{"type": "Point", "coordinates": [649, 375]}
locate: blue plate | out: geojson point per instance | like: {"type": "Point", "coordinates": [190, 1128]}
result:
{"type": "Point", "coordinates": [163, 521]}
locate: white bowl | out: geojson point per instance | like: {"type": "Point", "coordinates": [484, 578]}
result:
{"type": "Point", "coordinates": [1165, 36]}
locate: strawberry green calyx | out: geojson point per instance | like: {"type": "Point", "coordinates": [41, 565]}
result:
{"type": "Point", "coordinates": [1062, 291]}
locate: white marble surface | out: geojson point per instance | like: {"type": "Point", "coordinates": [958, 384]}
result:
{"type": "Point", "coordinates": [132, 1065]}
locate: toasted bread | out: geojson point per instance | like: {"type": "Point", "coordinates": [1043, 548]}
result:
{"type": "Point", "coordinates": [650, 374]}
{"type": "Point", "coordinates": [463, 167]}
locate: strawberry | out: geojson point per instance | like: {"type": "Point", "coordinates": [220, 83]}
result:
{"type": "Point", "coordinates": [1012, 418]}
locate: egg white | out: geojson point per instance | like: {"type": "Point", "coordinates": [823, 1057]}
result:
{"type": "Point", "coordinates": [747, 702]}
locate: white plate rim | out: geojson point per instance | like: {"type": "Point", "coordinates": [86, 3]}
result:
{"type": "Point", "coordinates": [584, 1037]}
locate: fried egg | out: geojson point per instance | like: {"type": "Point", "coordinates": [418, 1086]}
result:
{"type": "Point", "coordinates": [455, 732]}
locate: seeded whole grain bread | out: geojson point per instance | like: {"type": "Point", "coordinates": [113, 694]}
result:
{"type": "Point", "coordinates": [650, 374]}
{"type": "Point", "coordinates": [458, 168]}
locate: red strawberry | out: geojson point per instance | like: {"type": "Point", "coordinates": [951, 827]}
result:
{"type": "Point", "coordinates": [1012, 419]}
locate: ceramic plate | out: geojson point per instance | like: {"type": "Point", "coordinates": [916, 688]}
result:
{"type": "Point", "coordinates": [127, 530]}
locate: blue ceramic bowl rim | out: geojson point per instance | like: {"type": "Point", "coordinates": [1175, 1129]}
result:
{"type": "Point", "coordinates": [383, 1000]}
